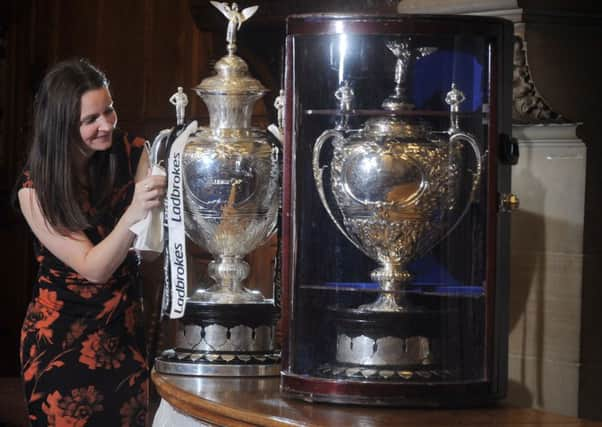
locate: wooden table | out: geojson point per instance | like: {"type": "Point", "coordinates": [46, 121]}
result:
{"type": "Point", "coordinates": [257, 401]}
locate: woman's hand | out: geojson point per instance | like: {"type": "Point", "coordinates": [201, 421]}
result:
{"type": "Point", "coordinates": [148, 194]}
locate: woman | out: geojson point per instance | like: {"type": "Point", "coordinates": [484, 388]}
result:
{"type": "Point", "coordinates": [84, 186]}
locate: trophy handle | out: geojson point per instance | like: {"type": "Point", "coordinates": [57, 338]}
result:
{"type": "Point", "coordinates": [156, 152]}
{"type": "Point", "coordinates": [276, 168]}
{"type": "Point", "coordinates": [318, 178]}
{"type": "Point", "coordinates": [476, 176]}
{"type": "Point", "coordinates": [461, 137]}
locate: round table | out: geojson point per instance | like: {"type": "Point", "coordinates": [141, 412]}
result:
{"type": "Point", "coordinates": [229, 401]}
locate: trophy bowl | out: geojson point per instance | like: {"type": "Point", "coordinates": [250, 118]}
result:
{"type": "Point", "coordinates": [231, 205]}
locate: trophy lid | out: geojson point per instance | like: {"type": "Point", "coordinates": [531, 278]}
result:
{"type": "Point", "coordinates": [232, 77]}
{"type": "Point", "coordinates": [394, 126]}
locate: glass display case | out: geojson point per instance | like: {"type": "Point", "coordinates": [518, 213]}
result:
{"type": "Point", "coordinates": [395, 220]}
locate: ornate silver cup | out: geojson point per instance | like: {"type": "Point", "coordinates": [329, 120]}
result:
{"type": "Point", "coordinates": [231, 181]}
{"type": "Point", "coordinates": [230, 177]}
{"type": "Point", "coordinates": [394, 191]}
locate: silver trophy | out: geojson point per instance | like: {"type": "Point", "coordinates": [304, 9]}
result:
{"type": "Point", "coordinates": [231, 198]}
{"type": "Point", "coordinates": [394, 189]}
{"type": "Point", "coordinates": [395, 186]}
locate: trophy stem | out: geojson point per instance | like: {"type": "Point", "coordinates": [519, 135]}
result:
{"type": "Point", "coordinates": [390, 277]}
{"type": "Point", "coordinates": [228, 273]}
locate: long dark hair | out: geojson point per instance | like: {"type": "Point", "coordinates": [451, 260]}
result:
{"type": "Point", "coordinates": [57, 108]}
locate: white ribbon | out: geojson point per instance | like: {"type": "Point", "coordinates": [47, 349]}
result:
{"type": "Point", "coordinates": [175, 221]}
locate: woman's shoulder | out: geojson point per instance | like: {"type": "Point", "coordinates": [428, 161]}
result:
{"type": "Point", "coordinates": [128, 149]}
{"type": "Point", "coordinates": [127, 144]}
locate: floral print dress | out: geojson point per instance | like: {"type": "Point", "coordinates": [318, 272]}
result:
{"type": "Point", "coordinates": [82, 344]}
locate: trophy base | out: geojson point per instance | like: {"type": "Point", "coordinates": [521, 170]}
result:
{"type": "Point", "coordinates": [404, 358]}
{"type": "Point", "coordinates": [222, 295]}
{"type": "Point", "coordinates": [386, 338]}
{"type": "Point", "coordinates": [407, 374]}
{"type": "Point", "coordinates": [224, 340]}
{"type": "Point", "coordinates": [211, 364]}
{"type": "Point", "coordinates": [386, 346]}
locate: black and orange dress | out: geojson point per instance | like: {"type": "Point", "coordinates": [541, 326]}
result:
{"type": "Point", "coordinates": [82, 344]}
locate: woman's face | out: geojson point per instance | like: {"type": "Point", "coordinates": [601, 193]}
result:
{"type": "Point", "coordinates": [97, 120]}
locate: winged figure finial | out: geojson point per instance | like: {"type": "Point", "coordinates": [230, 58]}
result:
{"type": "Point", "coordinates": [235, 19]}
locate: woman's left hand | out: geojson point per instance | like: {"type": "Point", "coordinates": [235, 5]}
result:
{"type": "Point", "coordinates": [148, 194]}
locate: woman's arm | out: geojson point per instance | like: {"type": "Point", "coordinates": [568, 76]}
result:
{"type": "Point", "coordinates": [96, 263]}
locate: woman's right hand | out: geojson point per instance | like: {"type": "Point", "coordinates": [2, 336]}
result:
{"type": "Point", "coordinates": [148, 194]}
